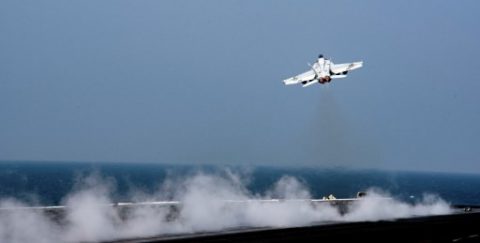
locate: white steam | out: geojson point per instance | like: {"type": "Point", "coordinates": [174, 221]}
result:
{"type": "Point", "coordinates": [207, 203]}
{"type": "Point", "coordinates": [375, 208]}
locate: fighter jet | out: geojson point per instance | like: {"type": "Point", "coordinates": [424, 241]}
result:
{"type": "Point", "coordinates": [323, 71]}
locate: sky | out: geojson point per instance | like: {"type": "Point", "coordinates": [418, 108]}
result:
{"type": "Point", "coordinates": [200, 82]}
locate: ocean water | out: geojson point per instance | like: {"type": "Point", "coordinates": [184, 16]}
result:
{"type": "Point", "coordinates": [47, 183]}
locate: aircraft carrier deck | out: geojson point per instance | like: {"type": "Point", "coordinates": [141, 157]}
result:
{"type": "Point", "coordinates": [461, 226]}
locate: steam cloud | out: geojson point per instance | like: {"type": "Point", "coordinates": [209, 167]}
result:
{"type": "Point", "coordinates": [208, 203]}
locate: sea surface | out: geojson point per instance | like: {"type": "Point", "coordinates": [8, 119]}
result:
{"type": "Point", "coordinates": [48, 183]}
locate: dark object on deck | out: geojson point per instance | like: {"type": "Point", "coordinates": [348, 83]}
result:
{"type": "Point", "coordinates": [361, 194]}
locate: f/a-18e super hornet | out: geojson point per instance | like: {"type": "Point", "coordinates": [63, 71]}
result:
{"type": "Point", "coordinates": [323, 71]}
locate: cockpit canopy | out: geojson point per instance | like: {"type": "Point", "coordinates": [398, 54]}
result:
{"type": "Point", "coordinates": [320, 56]}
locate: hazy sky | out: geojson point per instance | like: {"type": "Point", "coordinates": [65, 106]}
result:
{"type": "Point", "coordinates": [200, 82]}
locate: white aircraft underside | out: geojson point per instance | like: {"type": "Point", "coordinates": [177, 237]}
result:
{"type": "Point", "coordinates": [323, 71]}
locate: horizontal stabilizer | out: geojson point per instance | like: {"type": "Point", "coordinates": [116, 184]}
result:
{"type": "Point", "coordinates": [309, 83]}
{"type": "Point", "coordinates": [338, 76]}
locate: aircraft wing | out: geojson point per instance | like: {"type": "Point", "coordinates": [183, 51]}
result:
{"type": "Point", "coordinates": [304, 77]}
{"type": "Point", "coordinates": [345, 67]}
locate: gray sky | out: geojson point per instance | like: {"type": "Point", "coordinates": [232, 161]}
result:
{"type": "Point", "coordinates": [200, 82]}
